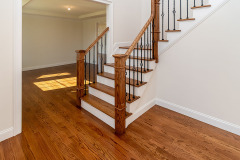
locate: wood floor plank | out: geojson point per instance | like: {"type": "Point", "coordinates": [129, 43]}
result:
{"type": "Point", "coordinates": [53, 128]}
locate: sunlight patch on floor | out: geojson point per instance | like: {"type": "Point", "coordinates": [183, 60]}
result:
{"type": "Point", "coordinates": [58, 84]}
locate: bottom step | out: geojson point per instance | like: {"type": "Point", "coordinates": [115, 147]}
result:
{"type": "Point", "coordinates": [101, 109]}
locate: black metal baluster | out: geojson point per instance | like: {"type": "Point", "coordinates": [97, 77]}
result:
{"type": "Point", "coordinates": [180, 9]}
{"type": "Point", "coordinates": [133, 75]}
{"type": "Point", "coordinates": [105, 49]}
{"type": "Point", "coordinates": [85, 75]}
{"type": "Point", "coordinates": [194, 3]}
{"type": "Point", "coordinates": [168, 17]}
{"type": "Point", "coordinates": [94, 65]}
{"type": "Point", "coordinates": [150, 40]}
{"type": "Point", "coordinates": [137, 62]}
{"type": "Point", "coordinates": [202, 2]}
{"type": "Point", "coordinates": [174, 15]}
{"type": "Point", "coordinates": [162, 19]}
{"type": "Point", "coordinates": [148, 47]}
{"type": "Point", "coordinates": [89, 68]}
{"type": "Point", "coordinates": [97, 58]}
{"type": "Point", "coordinates": [129, 77]}
{"type": "Point", "coordinates": [141, 46]}
{"type": "Point", "coordinates": [187, 10]}
{"type": "Point", "coordinates": [153, 42]}
{"type": "Point", "coordinates": [144, 51]}
{"type": "Point", "coordinates": [101, 56]}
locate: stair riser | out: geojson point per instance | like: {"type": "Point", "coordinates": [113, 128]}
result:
{"type": "Point", "coordinates": [106, 97]}
{"type": "Point", "coordinates": [109, 82]}
{"type": "Point", "coordinates": [146, 76]}
{"type": "Point", "coordinates": [99, 114]}
{"type": "Point", "coordinates": [145, 53]}
{"type": "Point", "coordinates": [151, 64]}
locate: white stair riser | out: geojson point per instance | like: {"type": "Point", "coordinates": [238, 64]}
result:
{"type": "Point", "coordinates": [145, 53]}
{"type": "Point", "coordinates": [99, 114]}
{"type": "Point", "coordinates": [146, 76]}
{"type": "Point", "coordinates": [151, 64]}
{"type": "Point", "coordinates": [109, 82]}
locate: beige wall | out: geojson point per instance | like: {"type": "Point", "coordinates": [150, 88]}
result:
{"type": "Point", "coordinates": [50, 41]}
{"type": "Point", "coordinates": [6, 65]}
{"type": "Point", "coordinates": [202, 71]}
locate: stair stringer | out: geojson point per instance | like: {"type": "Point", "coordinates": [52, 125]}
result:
{"type": "Point", "coordinates": [186, 27]}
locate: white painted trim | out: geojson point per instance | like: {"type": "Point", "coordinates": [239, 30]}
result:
{"type": "Point", "coordinates": [213, 10]}
{"type": "Point", "coordinates": [5, 134]}
{"type": "Point", "coordinates": [48, 65]}
{"type": "Point", "coordinates": [94, 14]}
{"type": "Point", "coordinates": [17, 67]}
{"type": "Point", "coordinates": [104, 1]}
{"type": "Point", "coordinates": [140, 112]}
{"type": "Point", "coordinates": [109, 23]}
{"type": "Point", "coordinates": [233, 128]}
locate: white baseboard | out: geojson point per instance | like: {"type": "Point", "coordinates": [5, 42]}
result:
{"type": "Point", "coordinates": [48, 65]}
{"type": "Point", "coordinates": [227, 126]}
{"type": "Point", "coordinates": [5, 134]}
{"type": "Point", "coordinates": [140, 112]}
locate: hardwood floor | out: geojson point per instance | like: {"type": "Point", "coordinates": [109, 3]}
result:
{"type": "Point", "coordinates": [53, 128]}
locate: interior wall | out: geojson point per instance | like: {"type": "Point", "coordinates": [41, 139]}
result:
{"type": "Point", "coordinates": [6, 66]}
{"type": "Point", "coordinates": [49, 41]}
{"type": "Point", "coordinates": [201, 71]}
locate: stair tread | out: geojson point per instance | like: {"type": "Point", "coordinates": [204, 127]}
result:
{"type": "Point", "coordinates": [112, 76]}
{"type": "Point", "coordinates": [139, 58]}
{"type": "Point", "coordinates": [144, 48]}
{"type": "Point", "coordinates": [173, 31]}
{"type": "Point", "coordinates": [111, 91]}
{"type": "Point", "coordinates": [131, 68]}
{"type": "Point", "coordinates": [101, 105]}
{"type": "Point", "coordinates": [163, 40]}
{"type": "Point", "coordinates": [187, 19]}
{"type": "Point", "coordinates": [201, 6]}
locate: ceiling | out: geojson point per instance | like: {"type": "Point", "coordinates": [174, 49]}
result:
{"type": "Point", "coordinates": [80, 9]}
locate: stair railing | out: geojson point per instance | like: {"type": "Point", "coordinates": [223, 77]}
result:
{"type": "Point", "coordinates": [89, 63]}
{"type": "Point", "coordinates": [146, 45]}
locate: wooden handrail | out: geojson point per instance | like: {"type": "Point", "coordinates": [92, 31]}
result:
{"type": "Point", "coordinates": [137, 39]}
{"type": "Point", "coordinates": [94, 43]}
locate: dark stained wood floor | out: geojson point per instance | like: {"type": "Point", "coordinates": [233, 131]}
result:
{"type": "Point", "coordinates": [53, 128]}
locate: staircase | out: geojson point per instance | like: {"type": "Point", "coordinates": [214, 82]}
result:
{"type": "Point", "coordinates": [111, 90]}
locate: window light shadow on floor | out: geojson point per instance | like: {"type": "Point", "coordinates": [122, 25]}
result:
{"type": "Point", "coordinates": [58, 84]}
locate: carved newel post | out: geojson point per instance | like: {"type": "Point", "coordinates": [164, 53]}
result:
{"type": "Point", "coordinates": [80, 76]}
{"type": "Point", "coordinates": [120, 93]}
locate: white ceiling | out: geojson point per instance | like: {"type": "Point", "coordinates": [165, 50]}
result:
{"type": "Point", "coordinates": [58, 8]}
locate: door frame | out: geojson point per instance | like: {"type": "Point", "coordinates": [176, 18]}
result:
{"type": "Point", "coordinates": [17, 57]}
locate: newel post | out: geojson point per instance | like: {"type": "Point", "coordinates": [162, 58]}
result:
{"type": "Point", "coordinates": [156, 29]}
{"type": "Point", "coordinates": [120, 93]}
{"type": "Point", "coordinates": [80, 76]}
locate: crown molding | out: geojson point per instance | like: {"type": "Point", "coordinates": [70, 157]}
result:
{"type": "Point", "coordinates": [93, 15]}
{"type": "Point", "coordinates": [24, 2]}
{"type": "Point", "coordinates": [103, 1]}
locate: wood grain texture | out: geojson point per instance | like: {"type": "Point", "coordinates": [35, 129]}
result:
{"type": "Point", "coordinates": [120, 94]}
{"type": "Point", "coordinates": [156, 29]}
{"type": "Point", "coordinates": [201, 6]}
{"type": "Point", "coordinates": [173, 31]}
{"type": "Point", "coordinates": [163, 40]}
{"type": "Point", "coordinates": [189, 19]}
{"type": "Point", "coordinates": [54, 129]}
{"type": "Point", "coordinates": [80, 76]}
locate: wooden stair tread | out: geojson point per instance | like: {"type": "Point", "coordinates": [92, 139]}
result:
{"type": "Point", "coordinates": [173, 31]}
{"type": "Point", "coordinates": [111, 91]}
{"type": "Point", "coordinates": [101, 105]}
{"type": "Point", "coordinates": [144, 48]}
{"type": "Point", "coordinates": [162, 40]}
{"type": "Point", "coordinates": [112, 76]}
{"type": "Point", "coordinates": [201, 6]}
{"type": "Point", "coordinates": [131, 68]}
{"type": "Point", "coordinates": [189, 19]}
{"type": "Point", "coordinates": [139, 58]}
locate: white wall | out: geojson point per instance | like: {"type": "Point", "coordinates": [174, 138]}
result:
{"type": "Point", "coordinates": [6, 66]}
{"type": "Point", "coordinates": [48, 41]}
{"type": "Point", "coordinates": [201, 72]}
